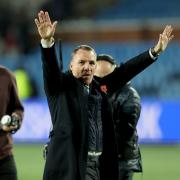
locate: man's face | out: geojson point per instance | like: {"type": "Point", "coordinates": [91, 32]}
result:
{"type": "Point", "coordinates": [83, 65]}
{"type": "Point", "coordinates": [104, 68]}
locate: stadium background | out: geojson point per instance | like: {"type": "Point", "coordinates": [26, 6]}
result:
{"type": "Point", "coordinates": [122, 28]}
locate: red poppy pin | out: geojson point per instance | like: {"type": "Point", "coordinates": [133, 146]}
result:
{"type": "Point", "coordinates": [103, 88]}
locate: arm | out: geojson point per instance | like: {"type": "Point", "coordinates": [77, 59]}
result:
{"type": "Point", "coordinates": [134, 66]}
{"type": "Point", "coordinates": [126, 71]}
{"type": "Point", "coordinates": [51, 71]}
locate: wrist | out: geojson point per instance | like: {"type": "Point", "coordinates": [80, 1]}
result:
{"type": "Point", "coordinates": [48, 40]}
{"type": "Point", "coordinates": [155, 52]}
{"type": "Point", "coordinates": [47, 43]}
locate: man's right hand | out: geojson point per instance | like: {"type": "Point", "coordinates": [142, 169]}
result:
{"type": "Point", "coordinates": [44, 25]}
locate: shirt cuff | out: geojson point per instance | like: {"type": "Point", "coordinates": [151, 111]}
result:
{"type": "Point", "coordinates": [47, 43]}
{"type": "Point", "coordinates": [153, 57]}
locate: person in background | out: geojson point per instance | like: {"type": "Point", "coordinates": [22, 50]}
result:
{"type": "Point", "coordinates": [82, 144]}
{"type": "Point", "coordinates": [25, 84]}
{"type": "Point", "coordinates": [11, 115]}
{"type": "Point", "coordinates": [126, 111]}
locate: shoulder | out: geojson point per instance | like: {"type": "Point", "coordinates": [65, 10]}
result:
{"type": "Point", "coordinates": [3, 69]}
{"type": "Point", "coordinates": [6, 73]}
{"type": "Point", "coordinates": [129, 88]}
{"type": "Point", "coordinates": [127, 92]}
{"type": "Point", "coordinates": [134, 92]}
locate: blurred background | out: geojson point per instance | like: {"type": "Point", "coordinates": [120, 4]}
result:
{"type": "Point", "coordinates": [122, 28]}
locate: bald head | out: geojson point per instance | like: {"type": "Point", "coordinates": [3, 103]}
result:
{"type": "Point", "coordinates": [105, 65]}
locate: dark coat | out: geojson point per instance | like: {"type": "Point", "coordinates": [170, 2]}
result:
{"type": "Point", "coordinates": [9, 103]}
{"type": "Point", "coordinates": [68, 146]}
{"type": "Point", "coordinates": [126, 111]}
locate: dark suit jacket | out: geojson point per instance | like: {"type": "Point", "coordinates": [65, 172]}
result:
{"type": "Point", "coordinates": [125, 72]}
{"type": "Point", "coordinates": [68, 147]}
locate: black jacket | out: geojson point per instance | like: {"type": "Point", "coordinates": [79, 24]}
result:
{"type": "Point", "coordinates": [66, 159]}
{"type": "Point", "coordinates": [126, 112]}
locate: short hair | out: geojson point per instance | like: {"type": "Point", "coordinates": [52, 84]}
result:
{"type": "Point", "coordinates": [106, 57]}
{"type": "Point", "coordinates": [83, 47]}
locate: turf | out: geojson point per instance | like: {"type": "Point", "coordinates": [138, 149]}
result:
{"type": "Point", "coordinates": [160, 162]}
{"type": "Point", "coordinates": [29, 161]}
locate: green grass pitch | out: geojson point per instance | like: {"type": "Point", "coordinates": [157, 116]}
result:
{"type": "Point", "coordinates": [160, 162]}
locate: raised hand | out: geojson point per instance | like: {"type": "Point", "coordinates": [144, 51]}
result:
{"type": "Point", "coordinates": [44, 25]}
{"type": "Point", "coordinates": [164, 39]}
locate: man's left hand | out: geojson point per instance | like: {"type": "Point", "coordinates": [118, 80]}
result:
{"type": "Point", "coordinates": [164, 39]}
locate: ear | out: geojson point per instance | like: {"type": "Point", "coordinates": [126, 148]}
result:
{"type": "Point", "coordinates": [96, 66]}
{"type": "Point", "coordinates": [70, 65]}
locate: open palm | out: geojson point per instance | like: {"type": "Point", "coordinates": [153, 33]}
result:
{"type": "Point", "coordinates": [164, 39]}
{"type": "Point", "coordinates": [46, 29]}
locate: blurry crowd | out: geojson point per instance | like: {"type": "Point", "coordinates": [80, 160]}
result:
{"type": "Point", "coordinates": [16, 32]}
{"type": "Point", "coordinates": [17, 19]}
{"type": "Point", "coordinates": [18, 46]}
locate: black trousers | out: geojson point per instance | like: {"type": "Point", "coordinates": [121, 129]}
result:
{"type": "Point", "coordinates": [8, 169]}
{"type": "Point", "coordinates": [92, 169]}
{"type": "Point", "coordinates": [125, 174]}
